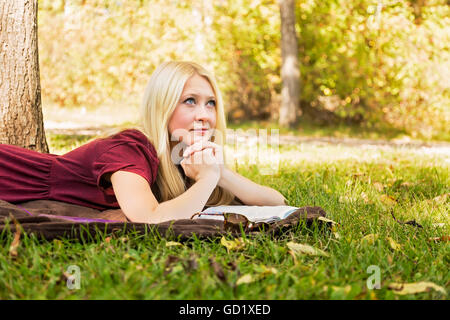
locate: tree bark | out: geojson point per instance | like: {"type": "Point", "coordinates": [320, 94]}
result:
{"type": "Point", "coordinates": [21, 119]}
{"type": "Point", "coordinates": [290, 71]}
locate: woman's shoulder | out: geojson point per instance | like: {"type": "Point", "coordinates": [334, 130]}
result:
{"type": "Point", "coordinates": [131, 135]}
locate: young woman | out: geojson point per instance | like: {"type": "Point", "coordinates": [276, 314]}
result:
{"type": "Point", "coordinates": [142, 170]}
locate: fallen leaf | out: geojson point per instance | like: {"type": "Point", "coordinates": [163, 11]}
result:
{"type": "Point", "coordinates": [365, 197]}
{"type": "Point", "coordinates": [192, 263]}
{"type": "Point", "coordinates": [442, 198]}
{"type": "Point", "coordinates": [327, 220]}
{"type": "Point", "coordinates": [438, 225]}
{"type": "Point", "coordinates": [415, 287]}
{"type": "Point", "coordinates": [438, 239]}
{"type": "Point", "coordinates": [358, 174]}
{"type": "Point", "coordinates": [370, 238]}
{"type": "Point", "coordinates": [299, 248]}
{"type": "Point", "coordinates": [172, 244]}
{"type": "Point", "coordinates": [217, 269]}
{"type": "Point", "coordinates": [16, 241]}
{"type": "Point", "coordinates": [406, 184]}
{"type": "Point", "coordinates": [169, 262]}
{"type": "Point", "coordinates": [389, 259]}
{"type": "Point", "coordinates": [123, 239]}
{"type": "Point", "coordinates": [388, 200]}
{"type": "Point", "coordinates": [340, 292]}
{"type": "Point", "coordinates": [378, 186]}
{"type": "Point", "coordinates": [235, 244]}
{"type": "Point", "coordinates": [394, 245]}
{"type": "Point", "coordinates": [265, 271]}
{"type": "Point", "coordinates": [245, 279]}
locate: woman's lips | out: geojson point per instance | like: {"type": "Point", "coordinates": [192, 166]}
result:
{"type": "Point", "coordinates": [201, 131]}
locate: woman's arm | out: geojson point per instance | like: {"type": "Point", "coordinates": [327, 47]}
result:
{"type": "Point", "coordinates": [137, 201]}
{"type": "Point", "coordinates": [248, 191]}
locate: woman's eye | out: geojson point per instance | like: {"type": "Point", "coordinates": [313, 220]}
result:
{"type": "Point", "coordinates": [189, 101]}
{"type": "Point", "coordinates": [212, 103]}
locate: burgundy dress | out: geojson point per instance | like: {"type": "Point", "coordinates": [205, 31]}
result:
{"type": "Point", "coordinates": [77, 176]}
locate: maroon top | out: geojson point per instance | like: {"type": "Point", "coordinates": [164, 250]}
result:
{"type": "Point", "coordinates": [76, 177]}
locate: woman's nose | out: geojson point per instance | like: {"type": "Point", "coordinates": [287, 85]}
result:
{"type": "Point", "coordinates": [202, 113]}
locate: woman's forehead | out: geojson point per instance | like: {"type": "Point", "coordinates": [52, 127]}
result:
{"type": "Point", "coordinates": [198, 85]}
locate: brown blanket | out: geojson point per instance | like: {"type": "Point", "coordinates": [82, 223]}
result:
{"type": "Point", "coordinates": [53, 219]}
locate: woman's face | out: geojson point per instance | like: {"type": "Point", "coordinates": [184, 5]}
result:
{"type": "Point", "coordinates": [194, 117]}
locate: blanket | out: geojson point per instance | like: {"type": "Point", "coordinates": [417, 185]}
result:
{"type": "Point", "coordinates": [47, 219]}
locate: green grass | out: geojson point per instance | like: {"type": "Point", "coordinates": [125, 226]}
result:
{"type": "Point", "coordinates": [348, 182]}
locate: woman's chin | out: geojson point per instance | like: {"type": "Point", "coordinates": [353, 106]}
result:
{"type": "Point", "coordinates": [196, 137]}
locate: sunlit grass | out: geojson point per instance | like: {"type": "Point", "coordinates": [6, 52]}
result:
{"type": "Point", "coordinates": [308, 128]}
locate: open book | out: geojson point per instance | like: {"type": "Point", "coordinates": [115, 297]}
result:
{"type": "Point", "coordinates": [267, 214]}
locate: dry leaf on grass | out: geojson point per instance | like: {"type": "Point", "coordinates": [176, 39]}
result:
{"type": "Point", "coordinates": [440, 239]}
{"type": "Point", "coordinates": [217, 269]}
{"type": "Point", "coordinates": [245, 279]}
{"type": "Point", "coordinates": [442, 198]}
{"type": "Point", "coordinates": [235, 244]}
{"type": "Point", "coordinates": [407, 184]}
{"type": "Point", "coordinates": [388, 200]}
{"type": "Point", "coordinates": [16, 241]}
{"type": "Point", "coordinates": [168, 267]}
{"type": "Point", "coordinates": [192, 263]}
{"type": "Point", "coordinates": [365, 197]}
{"type": "Point", "coordinates": [415, 287]}
{"type": "Point", "coordinates": [370, 238]}
{"type": "Point", "coordinates": [327, 220]}
{"type": "Point", "coordinates": [264, 271]}
{"type": "Point", "coordinates": [298, 248]}
{"type": "Point", "coordinates": [261, 272]}
{"type": "Point", "coordinates": [172, 244]}
{"type": "Point", "coordinates": [394, 245]}
{"type": "Point", "coordinates": [378, 186]}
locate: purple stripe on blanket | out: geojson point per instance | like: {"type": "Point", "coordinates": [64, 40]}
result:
{"type": "Point", "coordinates": [74, 219]}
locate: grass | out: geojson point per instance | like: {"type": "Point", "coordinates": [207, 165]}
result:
{"type": "Point", "coordinates": [357, 186]}
{"type": "Point", "coordinates": [308, 128]}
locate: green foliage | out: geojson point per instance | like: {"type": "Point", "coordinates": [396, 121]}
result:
{"type": "Point", "coordinates": [373, 63]}
{"type": "Point", "coordinates": [379, 63]}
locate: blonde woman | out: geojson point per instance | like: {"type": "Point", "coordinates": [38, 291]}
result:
{"type": "Point", "coordinates": [170, 167]}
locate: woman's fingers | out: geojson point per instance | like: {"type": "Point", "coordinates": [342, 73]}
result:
{"type": "Point", "coordinates": [205, 156]}
{"type": "Point", "coordinates": [198, 146]}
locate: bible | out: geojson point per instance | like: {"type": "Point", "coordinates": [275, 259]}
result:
{"type": "Point", "coordinates": [255, 214]}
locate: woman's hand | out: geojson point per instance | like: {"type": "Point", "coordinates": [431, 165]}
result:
{"type": "Point", "coordinates": [204, 145]}
{"type": "Point", "coordinates": [201, 164]}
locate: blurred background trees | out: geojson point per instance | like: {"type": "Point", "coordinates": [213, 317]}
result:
{"type": "Point", "coordinates": [371, 63]}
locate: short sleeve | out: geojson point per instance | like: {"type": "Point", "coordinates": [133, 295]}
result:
{"type": "Point", "coordinates": [131, 157]}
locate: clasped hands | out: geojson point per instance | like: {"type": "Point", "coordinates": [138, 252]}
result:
{"type": "Point", "coordinates": [203, 159]}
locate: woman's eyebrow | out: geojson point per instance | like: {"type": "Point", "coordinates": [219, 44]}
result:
{"type": "Point", "coordinates": [197, 95]}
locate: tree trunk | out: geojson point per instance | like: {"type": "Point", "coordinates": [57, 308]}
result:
{"type": "Point", "coordinates": [21, 119]}
{"type": "Point", "coordinates": [290, 72]}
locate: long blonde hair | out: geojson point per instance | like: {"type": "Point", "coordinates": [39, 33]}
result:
{"type": "Point", "coordinates": [160, 99]}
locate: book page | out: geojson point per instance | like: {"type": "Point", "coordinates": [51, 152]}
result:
{"type": "Point", "coordinates": [253, 213]}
